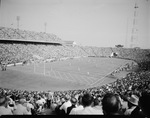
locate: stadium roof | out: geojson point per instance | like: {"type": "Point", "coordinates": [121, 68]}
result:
{"type": "Point", "coordinates": [31, 41]}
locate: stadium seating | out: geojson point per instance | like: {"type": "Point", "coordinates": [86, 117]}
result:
{"type": "Point", "coordinates": [134, 83]}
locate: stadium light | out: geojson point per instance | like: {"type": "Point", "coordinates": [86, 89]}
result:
{"type": "Point", "coordinates": [18, 19]}
{"type": "Point", "coordinates": [134, 32]}
{"type": "Point", "coordinates": [45, 25]}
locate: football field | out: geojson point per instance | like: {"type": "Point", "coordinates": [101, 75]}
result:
{"type": "Point", "coordinates": [70, 74]}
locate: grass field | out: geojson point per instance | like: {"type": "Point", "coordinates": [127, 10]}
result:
{"type": "Point", "coordinates": [61, 75]}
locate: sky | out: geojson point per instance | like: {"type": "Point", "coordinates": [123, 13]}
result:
{"type": "Point", "coordinates": [101, 23]}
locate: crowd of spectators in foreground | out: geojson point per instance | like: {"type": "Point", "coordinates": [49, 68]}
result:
{"type": "Point", "coordinates": [127, 96]}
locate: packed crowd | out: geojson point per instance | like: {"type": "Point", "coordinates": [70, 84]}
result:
{"type": "Point", "coordinates": [15, 52]}
{"type": "Point", "coordinates": [127, 67]}
{"type": "Point", "coordinates": [21, 52]}
{"type": "Point", "coordinates": [10, 33]}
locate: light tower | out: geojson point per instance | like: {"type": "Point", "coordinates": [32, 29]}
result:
{"type": "Point", "coordinates": [45, 26]}
{"type": "Point", "coordinates": [18, 19]}
{"type": "Point", "coordinates": [134, 31]}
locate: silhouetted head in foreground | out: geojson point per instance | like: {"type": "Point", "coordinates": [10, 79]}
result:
{"type": "Point", "coordinates": [144, 104]}
{"type": "Point", "coordinates": [87, 100]}
{"type": "Point", "coordinates": [111, 104]}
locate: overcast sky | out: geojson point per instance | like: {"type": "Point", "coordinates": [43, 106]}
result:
{"type": "Point", "coordinates": [102, 23]}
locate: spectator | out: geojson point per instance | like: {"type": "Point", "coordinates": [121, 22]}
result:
{"type": "Point", "coordinates": [66, 104]}
{"type": "Point", "coordinates": [59, 104]}
{"type": "Point", "coordinates": [4, 110]}
{"type": "Point", "coordinates": [11, 104]}
{"type": "Point", "coordinates": [132, 103]}
{"type": "Point", "coordinates": [124, 103]}
{"type": "Point", "coordinates": [20, 108]}
{"type": "Point", "coordinates": [87, 101]}
{"type": "Point", "coordinates": [48, 111]}
{"type": "Point", "coordinates": [73, 102]}
{"type": "Point", "coordinates": [40, 102]}
{"type": "Point", "coordinates": [78, 107]}
{"type": "Point", "coordinates": [111, 104]}
{"type": "Point", "coordinates": [49, 99]}
{"type": "Point", "coordinates": [29, 106]}
{"type": "Point", "coordinates": [97, 106]}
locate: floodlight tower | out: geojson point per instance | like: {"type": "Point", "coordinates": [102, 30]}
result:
{"type": "Point", "coordinates": [1, 13]}
{"type": "Point", "coordinates": [18, 19]}
{"type": "Point", "coordinates": [45, 26]}
{"type": "Point", "coordinates": [134, 32]}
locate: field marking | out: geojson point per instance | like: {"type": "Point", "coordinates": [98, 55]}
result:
{"type": "Point", "coordinates": [70, 76]}
{"type": "Point", "coordinates": [83, 78]}
{"type": "Point", "coordinates": [59, 76]}
{"type": "Point", "coordinates": [87, 79]}
{"type": "Point", "coordinates": [74, 77]}
{"type": "Point", "coordinates": [66, 75]}
{"type": "Point", "coordinates": [102, 79]}
{"type": "Point", "coordinates": [66, 78]}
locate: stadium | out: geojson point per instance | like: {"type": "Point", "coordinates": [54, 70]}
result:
{"type": "Point", "coordinates": [42, 72]}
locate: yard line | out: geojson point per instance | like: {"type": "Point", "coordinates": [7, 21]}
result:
{"type": "Point", "coordinates": [102, 79]}
{"type": "Point", "coordinates": [66, 75]}
{"type": "Point", "coordinates": [89, 79]}
{"type": "Point", "coordinates": [66, 78]}
{"type": "Point", "coordinates": [59, 74]}
{"type": "Point", "coordinates": [81, 80]}
{"type": "Point", "coordinates": [56, 74]}
{"type": "Point", "coordinates": [85, 80]}
{"type": "Point", "coordinates": [76, 78]}
{"type": "Point", "coordinates": [71, 76]}
{"type": "Point", "coordinates": [62, 75]}
{"type": "Point", "coordinates": [93, 79]}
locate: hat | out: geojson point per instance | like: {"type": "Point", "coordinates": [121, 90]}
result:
{"type": "Point", "coordinates": [133, 99]}
{"type": "Point", "coordinates": [67, 97]}
{"type": "Point", "coordinates": [22, 101]}
{"type": "Point", "coordinates": [62, 100]}
{"type": "Point", "coordinates": [73, 100]}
